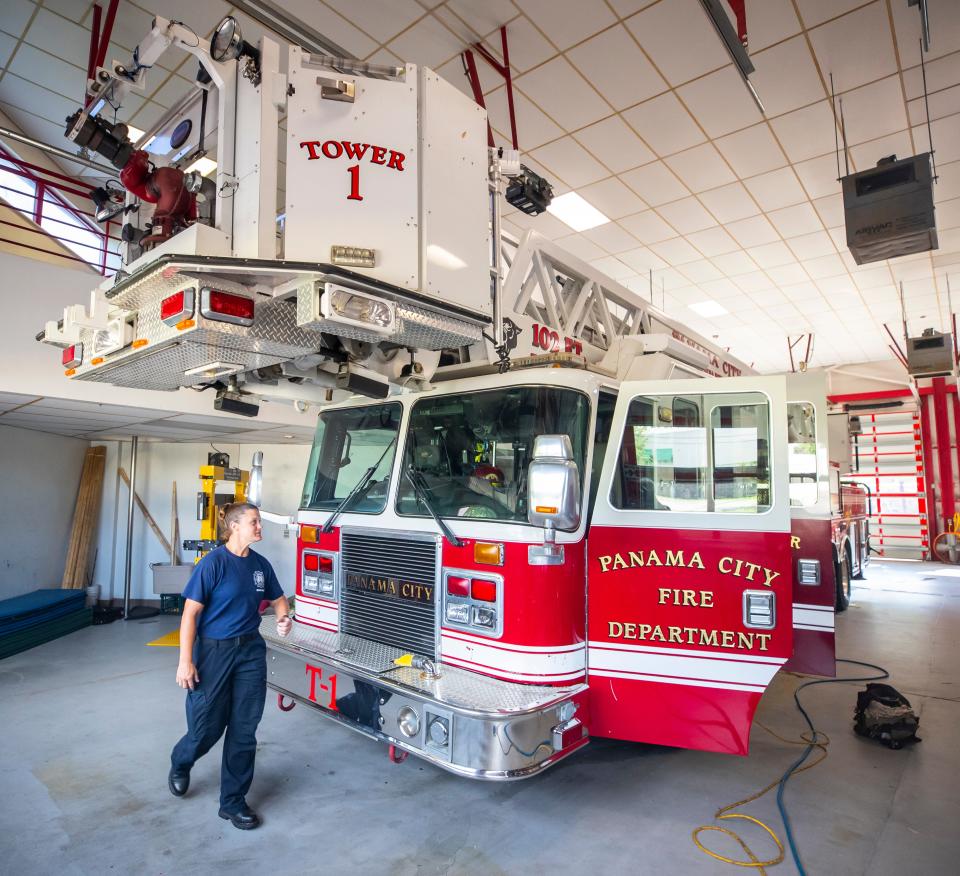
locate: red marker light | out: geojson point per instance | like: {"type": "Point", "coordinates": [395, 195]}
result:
{"type": "Point", "coordinates": [73, 356]}
{"type": "Point", "coordinates": [177, 307]}
{"type": "Point", "coordinates": [457, 586]}
{"type": "Point", "coordinates": [311, 562]}
{"type": "Point", "coordinates": [226, 307]}
{"type": "Point", "coordinates": [483, 591]}
{"type": "Point", "coordinates": [326, 565]}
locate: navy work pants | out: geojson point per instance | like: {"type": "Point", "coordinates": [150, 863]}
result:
{"type": "Point", "coordinates": [230, 696]}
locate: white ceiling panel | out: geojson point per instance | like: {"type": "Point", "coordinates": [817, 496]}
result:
{"type": "Point", "coordinates": [581, 247]}
{"type": "Point", "coordinates": [527, 45]}
{"type": "Point", "coordinates": [643, 261]}
{"type": "Point", "coordinates": [787, 275]}
{"type": "Point", "coordinates": [819, 176]}
{"type": "Point", "coordinates": [566, 22]}
{"type": "Point", "coordinates": [615, 144]}
{"type": "Point", "coordinates": [770, 255]}
{"type": "Point", "coordinates": [700, 168]}
{"type": "Point", "coordinates": [675, 252]}
{"type": "Point", "coordinates": [795, 221]}
{"type": "Point", "coordinates": [776, 189]}
{"type": "Point", "coordinates": [752, 231]}
{"type": "Point", "coordinates": [943, 103]}
{"type": "Point", "coordinates": [720, 102]}
{"type": "Point", "coordinates": [687, 215]}
{"type": "Point", "coordinates": [811, 246]}
{"type": "Point", "coordinates": [786, 77]}
{"type": "Point", "coordinates": [769, 22]}
{"type": "Point", "coordinates": [944, 24]}
{"type": "Point", "coordinates": [734, 263]}
{"type": "Point", "coordinates": [563, 94]}
{"type": "Point", "coordinates": [751, 151]}
{"type": "Point", "coordinates": [729, 203]}
{"type": "Point", "coordinates": [605, 58]}
{"type": "Point", "coordinates": [648, 227]}
{"type": "Point", "coordinates": [534, 127]}
{"type": "Point", "coordinates": [481, 18]}
{"type": "Point", "coordinates": [380, 19]}
{"type": "Point", "coordinates": [874, 110]}
{"type": "Point", "coordinates": [15, 398]}
{"type": "Point", "coordinates": [567, 159]}
{"type": "Point", "coordinates": [612, 198]}
{"type": "Point", "coordinates": [612, 237]}
{"type": "Point", "coordinates": [613, 267]}
{"type": "Point", "coordinates": [702, 272]}
{"type": "Point", "coordinates": [857, 47]}
{"type": "Point", "coordinates": [666, 27]}
{"type": "Point", "coordinates": [655, 183]}
{"type": "Point", "coordinates": [16, 16]}
{"type": "Point", "coordinates": [427, 42]}
{"type": "Point", "coordinates": [664, 124]}
{"type": "Point", "coordinates": [713, 242]}
{"type": "Point", "coordinates": [808, 132]}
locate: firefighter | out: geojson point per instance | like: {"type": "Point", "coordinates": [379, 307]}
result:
{"type": "Point", "coordinates": [223, 660]}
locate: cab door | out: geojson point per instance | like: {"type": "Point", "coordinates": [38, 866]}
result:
{"type": "Point", "coordinates": [813, 569]}
{"type": "Point", "coordinates": [689, 605]}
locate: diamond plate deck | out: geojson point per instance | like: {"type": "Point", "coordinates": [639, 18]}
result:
{"type": "Point", "coordinates": [456, 688]}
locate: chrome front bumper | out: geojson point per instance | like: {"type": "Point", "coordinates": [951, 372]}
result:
{"type": "Point", "coordinates": [466, 723]}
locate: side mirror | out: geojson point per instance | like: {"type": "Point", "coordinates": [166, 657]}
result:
{"type": "Point", "coordinates": [255, 484]}
{"type": "Point", "coordinates": [553, 495]}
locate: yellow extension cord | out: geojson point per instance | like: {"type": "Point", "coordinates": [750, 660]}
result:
{"type": "Point", "coordinates": [721, 814]}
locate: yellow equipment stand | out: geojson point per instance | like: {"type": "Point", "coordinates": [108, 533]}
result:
{"type": "Point", "coordinates": [209, 502]}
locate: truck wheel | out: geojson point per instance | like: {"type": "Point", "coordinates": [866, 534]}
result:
{"type": "Point", "coordinates": [842, 575]}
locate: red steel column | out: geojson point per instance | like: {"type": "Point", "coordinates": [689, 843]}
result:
{"type": "Point", "coordinates": [945, 464]}
{"type": "Point", "coordinates": [926, 433]}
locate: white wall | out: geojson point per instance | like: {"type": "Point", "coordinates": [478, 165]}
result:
{"type": "Point", "coordinates": [39, 478]}
{"type": "Point", "coordinates": [158, 466]}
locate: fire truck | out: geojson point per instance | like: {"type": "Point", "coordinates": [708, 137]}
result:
{"type": "Point", "coordinates": [537, 509]}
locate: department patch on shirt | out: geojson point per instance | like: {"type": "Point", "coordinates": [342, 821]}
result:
{"type": "Point", "coordinates": [258, 580]}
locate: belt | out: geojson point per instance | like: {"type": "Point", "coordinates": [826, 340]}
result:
{"type": "Point", "coordinates": [235, 641]}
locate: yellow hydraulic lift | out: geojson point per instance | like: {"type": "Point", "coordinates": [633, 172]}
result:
{"type": "Point", "coordinates": [209, 501]}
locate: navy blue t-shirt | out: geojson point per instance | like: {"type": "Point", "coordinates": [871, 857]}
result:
{"type": "Point", "coordinates": [231, 589]}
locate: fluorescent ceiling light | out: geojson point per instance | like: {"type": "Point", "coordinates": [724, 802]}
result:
{"type": "Point", "coordinates": [576, 212]}
{"type": "Point", "coordinates": [708, 308]}
{"type": "Point", "coordinates": [134, 133]}
{"type": "Point", "coordinates": [203, 166]}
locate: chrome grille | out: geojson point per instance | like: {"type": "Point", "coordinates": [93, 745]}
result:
{"type": "Point", "coordinates": [380, 560]}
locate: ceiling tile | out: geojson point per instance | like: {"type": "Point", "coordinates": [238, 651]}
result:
{"type": "Point", "coordinates": [655, 183]}
{"type": "Point", "coordinates": [713, 242]}
{"type": "Point", "coordinates": [534, 128]}
{"type": "Point", "coordinates": [481, 18]}
{"type": "Point", "coordinates": [753, 231]}
{"type": "Point", "coordinates": [528, 47]}
{"type": "Point", "coordinates": [676, 251]}
{"type": "Point", "coordinates": [866, 155]}
{"type": "Point", "coordinates": [626, 8]}
{"type": "Point", "coordinates": [60, 37]}
{"type": "Point", "coordinates": [796, 220]}
{"type": "Point", "coordinates": [943, 103]}
{"type": "Point", "coordinates": [765, 296]}
{"type": "Point", "coordinates": [946, 138]}
{"type": "Point", "coordinates": [563, 94]}
{"type": "Point", "coordinates": [729, 203]}
{"type": "Point", "coordinates": [856, 48]}
{"type": "Point", "coordinates": [806, 133]}
{"type": "Point", "coordinates": [874, 110]}
{"type": "Point", "coordinates": [871, 278]}
{"type": "Point", "coordinates": [615, 144]}
{"type": "Point", "coordinates": [811, 246]}
{"type": "Point", "coordinates": [612, 238]}
{"type": "Point", "coordinates": [819, 176]}
{"type": "Point", "coordinates": [46, 70]}
{"type": "Point", "coordinates": [721, 102]}
{"type": "Point", "coordinates": [648, 227]}
{"type": "Point", "coordinates": [786, 77]}
{"type": "Point", "coordinates": [658, 29]}
{"type": "Point", "coordinates": [752, 151]}
{"type": "Point", "coordinates": [944, 22]}
{"type": "Point", "coordinates": [664, 124]}
{"type": "Point", "coordinates": [428, 42]}
{"type": "Point", "coordinates": [570, 161]}
{"type": "Point", "coordinates": [612, 198]}
{"type": "Point", "coordinates": [770, 255]}
{"type": "Point", "coordinates": [788, 274]}
{"type": "Point", "coordinates": [581, 247]}
{"type": "Point", "coordinates": [770, 21]}
{"type": "Point", "coordinates": [701, 271]}
{"type": "Point", "coordinates": [778, 188]}
{"type": "Point", "coordinates": [381, 19]}
{"type": "Point", "coordinates": [613, 267]}
{"type": "Point", "coordinates": [7, 45]}
{"type": "Point", "coordinates": [700, 168]}
{"type": "Point", "coordinates": [16, 16]}
{"type": "Point", "coordinates": [830, 210]}
{"type": "Point", "coordinates": [734, 263]}
{"type": "Point", "coordinates": [642, 261]}
{"type": "Point", "coordinates": [603, 60]}
{"type": "Point", "coordinates": [566, 22]}
{"type": "Point", "coordinates": [686, 215]}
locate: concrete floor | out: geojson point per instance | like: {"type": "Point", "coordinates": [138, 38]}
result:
{"type": "Point", "coordinates": [88, 722]}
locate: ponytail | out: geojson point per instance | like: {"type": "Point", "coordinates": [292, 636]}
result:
{"type": "Point", "coordinates": [231, 513]}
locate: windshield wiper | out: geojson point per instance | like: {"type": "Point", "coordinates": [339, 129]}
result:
{"type": "Point", "coordinates": [363, 482]}
{"type": "Point", "coordinates": [413, 475]}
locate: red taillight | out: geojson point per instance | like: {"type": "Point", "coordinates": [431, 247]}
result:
{"type": "Point", "coordinates": [484, 591]}
{"type": "Point", "coordinates": [177, 307]}
{"type": "Point", "coordinates": [226, 307]}
{"type": "Point", "coordinates": [326, 565]}
{"type": "Point", "coordinates": [457, 586]}
{"type": "Point", "coordinates": [311, 562]}
{"type": "Point", "coordinates": [73, 356]}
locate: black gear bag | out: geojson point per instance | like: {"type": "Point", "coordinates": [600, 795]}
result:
{"type": "Point", "coordinates": [885, 714]}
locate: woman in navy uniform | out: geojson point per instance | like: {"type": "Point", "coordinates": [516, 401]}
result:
{"type": "Point", "coordinates": [223, 660]}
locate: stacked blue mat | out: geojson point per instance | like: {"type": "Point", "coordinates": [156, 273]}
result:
{"type": "Point", "coordinates": [34, 618]}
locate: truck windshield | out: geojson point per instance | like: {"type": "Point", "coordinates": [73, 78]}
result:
{"type": "Point", "coordinates": [470, 452]}
{"type": "Point", "coordinates": [347, 443]}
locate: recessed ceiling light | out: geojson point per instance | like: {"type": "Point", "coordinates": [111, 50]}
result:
{"type": "Point", "coordinates": [708, 308]}
{"type": "Point", "coordinates": [203, 166]}
{"type": "Point", "coordinates": [134, 134]}
{"type": "Point", "coordinates": [574, 211]}
{"type": "Point", "coordinates": [288, 436]}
